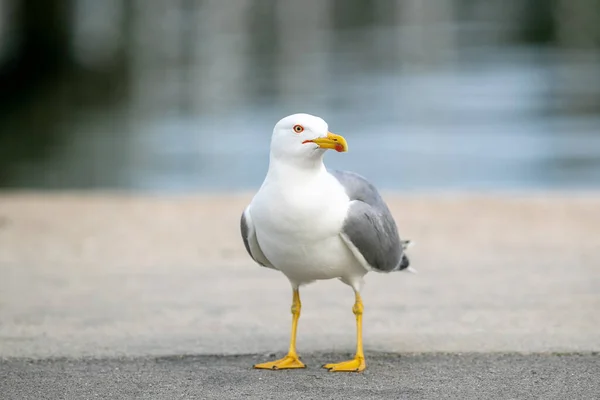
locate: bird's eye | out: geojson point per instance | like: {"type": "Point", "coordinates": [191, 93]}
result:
{"type": "Point", "coordinates": [298, 128]}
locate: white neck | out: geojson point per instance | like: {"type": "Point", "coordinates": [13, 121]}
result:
{"type": "Point", "coordinates": [295, 169]}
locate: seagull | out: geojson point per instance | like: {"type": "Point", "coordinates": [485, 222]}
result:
{"type": "Point", "coordinates": [311, 224]}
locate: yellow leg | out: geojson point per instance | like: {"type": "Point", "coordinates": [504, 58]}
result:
{"type": "Point", "coordinates": [357, 364]}
{"type": "Point", "coordinates": [291, 360]}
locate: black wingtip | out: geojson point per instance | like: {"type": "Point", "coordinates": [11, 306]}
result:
{"type": "Point", "coordinates": [404, 263]}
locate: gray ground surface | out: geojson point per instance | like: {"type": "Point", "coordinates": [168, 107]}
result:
{"type": "Point", "coordinates": [108, 275]}
{"type": "Point", "coordinates": [389, 376]}
{"type": "Point", "coordinates": [98, 287]}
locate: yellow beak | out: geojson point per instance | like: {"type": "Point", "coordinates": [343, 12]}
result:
{"type": "Point", "coordinates": [332, 141]}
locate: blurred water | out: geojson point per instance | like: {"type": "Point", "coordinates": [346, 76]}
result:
{"type": "Point", "coordinates": [196, 116]}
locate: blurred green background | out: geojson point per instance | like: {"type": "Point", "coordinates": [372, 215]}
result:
{"type": "Point", "coordinates": [182, 95]}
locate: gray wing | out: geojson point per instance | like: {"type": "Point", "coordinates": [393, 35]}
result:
{"type": "Point", "coordinates": [370, 227]}
{"type": "Point", "coordinates": [250, 241]}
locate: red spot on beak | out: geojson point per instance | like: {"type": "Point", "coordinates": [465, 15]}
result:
{"type": "Point", "coordinates": [339, 148]}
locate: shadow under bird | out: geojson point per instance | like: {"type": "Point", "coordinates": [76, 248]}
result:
{"type": "Point", "coordinates": [311, 223]}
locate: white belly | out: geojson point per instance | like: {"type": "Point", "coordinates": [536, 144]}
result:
{"type": "Point", "coordinates": [306, 261]}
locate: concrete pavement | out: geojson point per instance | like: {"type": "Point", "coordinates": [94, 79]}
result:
{"type": "Point", "coordinates": [114, 296]}
{"type": "Point", "coordinates": [107, 275]}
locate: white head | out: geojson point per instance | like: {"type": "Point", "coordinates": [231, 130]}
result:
{"type": "Point", "coordinates": [302, 139]}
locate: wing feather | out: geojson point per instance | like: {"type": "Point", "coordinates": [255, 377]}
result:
{"type": "Point", "coordinates": [369, 229]}
{"type": "Point", "coordinates": [250, 241]}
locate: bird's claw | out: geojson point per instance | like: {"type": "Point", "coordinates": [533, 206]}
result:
{"type": "Point", "coordinates": [355, 365]}
{"type": "Point", "coordinates": [290, 361]}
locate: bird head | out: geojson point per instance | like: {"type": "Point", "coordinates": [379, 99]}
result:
{"type": "Point", "coordinates": [304, 137]}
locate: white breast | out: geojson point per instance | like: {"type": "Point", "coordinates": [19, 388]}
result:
{"type": "Point", "coordinates": [298, 229]}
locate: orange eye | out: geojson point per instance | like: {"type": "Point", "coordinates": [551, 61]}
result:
{"type": "Point", "coordinates": [298, 128]}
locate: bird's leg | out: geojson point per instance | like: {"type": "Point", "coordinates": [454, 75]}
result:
{"type": "Point", "coordinates": [291, 360]}
{"type": "Point", "coordinates": [357, 364]}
